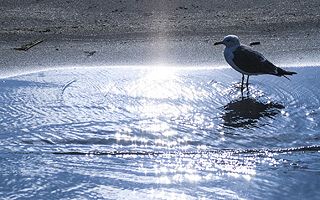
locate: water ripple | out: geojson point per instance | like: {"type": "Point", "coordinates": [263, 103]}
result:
{"type": "Point", "coordinates": [158, 131]}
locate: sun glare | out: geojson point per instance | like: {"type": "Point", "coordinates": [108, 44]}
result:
{"type": "Point", "coordinates": [156, 83]}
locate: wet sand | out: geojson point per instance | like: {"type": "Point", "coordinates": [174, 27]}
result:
{"type": "Point", "coordinates": [125, 32]}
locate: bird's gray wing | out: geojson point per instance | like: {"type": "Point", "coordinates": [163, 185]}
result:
{"type": "Point", "coordinates": [252, 61]}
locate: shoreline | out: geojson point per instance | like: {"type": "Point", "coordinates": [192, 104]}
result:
{"type": "Point", "coordinates": [189, 68]}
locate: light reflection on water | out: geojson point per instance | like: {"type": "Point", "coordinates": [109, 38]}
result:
{"type": "Point", "coordinates": [203, 167]}
{"type": "Point", "coordinates": [160, 133]}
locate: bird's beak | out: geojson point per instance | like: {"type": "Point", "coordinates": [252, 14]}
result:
{"type": "Point", "coordinates": [217, 43]}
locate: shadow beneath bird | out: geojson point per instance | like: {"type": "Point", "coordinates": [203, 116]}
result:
{"type": "Point", "coordinates": [246, 112]}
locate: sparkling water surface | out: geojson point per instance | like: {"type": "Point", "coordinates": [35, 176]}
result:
{"type": "Point", "coordinates": [159, 133]}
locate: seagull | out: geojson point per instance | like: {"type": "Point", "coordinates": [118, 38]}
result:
{"type": "Point", "coordinates": [248, 62]}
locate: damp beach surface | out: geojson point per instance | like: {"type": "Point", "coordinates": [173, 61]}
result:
{"type": "Point", "coordinates": [131, 100]}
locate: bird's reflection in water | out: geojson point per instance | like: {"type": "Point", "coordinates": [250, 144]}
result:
{"type": "Point", "coordinates": [246, 112]}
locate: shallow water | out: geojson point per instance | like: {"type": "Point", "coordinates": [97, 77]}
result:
{"type": "Point", "coordinates": [159, 133]}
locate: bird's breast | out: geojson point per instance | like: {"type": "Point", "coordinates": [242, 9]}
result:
{"type": "Point", "coordinates": [228, 55]}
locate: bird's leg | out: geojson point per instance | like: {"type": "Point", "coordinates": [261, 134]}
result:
{"type": "Point", "coordinates": [242, 82]}
{"type": "Point", "coordinates": [242, 85]}
{"type": "Point", "coordinates": [247, 83]}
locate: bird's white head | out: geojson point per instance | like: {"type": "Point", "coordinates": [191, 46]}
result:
{"type": "Point", "coordinates": [230, 41]}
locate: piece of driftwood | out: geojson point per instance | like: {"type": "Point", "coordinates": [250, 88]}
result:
{"type": "Point", "coordinates": [90, 53]}
{"type": "Point", "coordinates": [67, 85]}
{"type": "Point", "coordinates": [28, 46]}
{"type": "Point", "coordinates": [254, 43]}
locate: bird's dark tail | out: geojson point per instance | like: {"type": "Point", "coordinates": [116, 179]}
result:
{"type": "Point", "coordinates": [282, 72]}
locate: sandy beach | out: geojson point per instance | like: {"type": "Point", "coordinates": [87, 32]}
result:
{"type": "Point", "coordinates": [126, 32]}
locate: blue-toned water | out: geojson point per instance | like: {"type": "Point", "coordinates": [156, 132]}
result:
{"type": "Point", "coordinates": [159, 133]}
